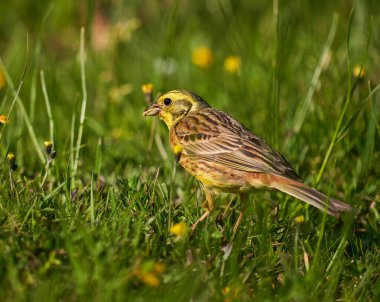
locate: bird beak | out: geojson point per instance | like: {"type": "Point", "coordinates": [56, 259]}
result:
{"type": "Point", "coordinates": [152, 110]}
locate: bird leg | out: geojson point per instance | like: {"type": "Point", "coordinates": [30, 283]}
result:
{"type": "Point", "coordinates": [228, 207]}
{"type": "Point", "coordinates": [208, 205]}
{"type": "Point", "coordinates": [209, 199]}
{"type": "Point", "coordinates": [200, 219]}
{"type": "Point", "coordinates": [243, 199]}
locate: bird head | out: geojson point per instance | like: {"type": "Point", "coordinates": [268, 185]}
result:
{"type": "Point", "coordinates": [174, 105]}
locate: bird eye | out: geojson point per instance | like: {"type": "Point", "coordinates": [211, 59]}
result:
{"type": "Point", "coordinates": [167, 101]}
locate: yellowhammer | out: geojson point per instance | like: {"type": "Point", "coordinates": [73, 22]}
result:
{"type": "Point", "coordinates": [224, 155]}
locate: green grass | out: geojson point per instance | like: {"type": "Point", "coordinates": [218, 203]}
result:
{"type": "Point", "coordinates": [92, 223]}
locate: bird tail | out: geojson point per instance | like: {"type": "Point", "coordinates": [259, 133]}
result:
{"type": "Point", "coordinates": [311, 196]}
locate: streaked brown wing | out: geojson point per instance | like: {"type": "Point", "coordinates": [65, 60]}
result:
{"type": "Point", "coordinates": [216, 137]}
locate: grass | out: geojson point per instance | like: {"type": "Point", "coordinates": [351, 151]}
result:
{"type": "Point", "coordinates": [93, 222]}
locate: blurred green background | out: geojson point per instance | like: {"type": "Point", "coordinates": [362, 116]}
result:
{"type": "Point", "coordinates": [129, 43]}
{"type": "Point", "coordinates": [282, 68]}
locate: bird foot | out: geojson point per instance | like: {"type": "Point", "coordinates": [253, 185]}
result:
{"type": "Point", "coordinates": [200, 219]}
{"type": "Point", "coordinates": [227, 208]}
{"type": "Point", "coordinates": [236, 226]}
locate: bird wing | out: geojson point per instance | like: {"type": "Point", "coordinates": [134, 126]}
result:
{"type": "Point", "coordinates": [214, 136]}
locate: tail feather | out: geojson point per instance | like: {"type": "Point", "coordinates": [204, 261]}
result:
{"type": "Point", "coordinates": [312, 197]}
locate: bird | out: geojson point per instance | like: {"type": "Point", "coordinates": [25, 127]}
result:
{"type": "Point", "coordinates": [224, 156]}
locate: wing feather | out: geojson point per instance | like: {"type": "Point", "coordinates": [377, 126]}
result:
{"type": "Point", "coordinates": [214, 136]}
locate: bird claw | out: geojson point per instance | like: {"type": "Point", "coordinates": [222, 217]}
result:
{"type": "Point", "coordinates": [200, 219]}
{"type": "Point", "coordinates": [237, 223]}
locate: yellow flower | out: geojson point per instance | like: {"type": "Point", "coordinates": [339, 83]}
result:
{"type": "Point", "coordinates": [226, 290]}
{"type": "Point", "coordinates": [159, 267]}
{"type": "Point", "coordinates": [230, 293]}
{"type": "Point", "coordinates": [48, 146]}
{"type": "Point", "coordinates": [202, 57]}
{"type": "Point", "coordinates": [232, 64]}
{"type": "Point", "coordinates": [11, 157]}
{"type": "Point", "coordinates": [150, 279]}
{"type": "Point", "coordinates": [2, 80]}
{"type": "Point", "coordinates": [299, 219]}
{"type": "Point", "coordinates": [149, 271]}
{"type": "Point", "coordinates": [147, 88]}
{"type": "Point", "coordinates": [179, 229]}
{"type": "Point", "coordinates": [3, 118]}
{"type": "Point", "coordinates": [359, 72]}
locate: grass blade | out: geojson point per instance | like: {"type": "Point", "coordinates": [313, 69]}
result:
{"type": "Point", "coordinates": [302, 112]}
{"type": "Point", "coordinates": [20, 104]}
{"type": "Point", "coordinates": [48, 107]}
{"type": "Point", "coordinates": [84, 102]}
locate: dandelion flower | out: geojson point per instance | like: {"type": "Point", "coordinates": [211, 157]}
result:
{"type": "Point", "coordinates": [202, 57]}
{"type": "Point", "coordinates": [359, 72]}
{"type": "Point", "coordinates": [48, 146]}
{"type": "Point", "coordinates": [159, 267]}
{"type": "Point", "coordinates": [150, 279]}
{"type": "Point", "coordinates": [179, 229]}
{"type": "Point", "coordinates": [149, 272]}
{"type": "Point", "coordinates": [11, 157]}
{"type": "Point", "coordinates": [232, 64]}
{"type": "Point", "coordinates": [230, 293]}
{"type": "Point", "coordinates": [299, 219]}
{"type": "Point", "coordinates": [147, 88]}
{"type": "Point", "coordinates": [4, 119]}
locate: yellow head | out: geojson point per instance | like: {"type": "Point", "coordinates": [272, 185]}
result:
{"type": "Point", "coordinates": [174, 105]}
